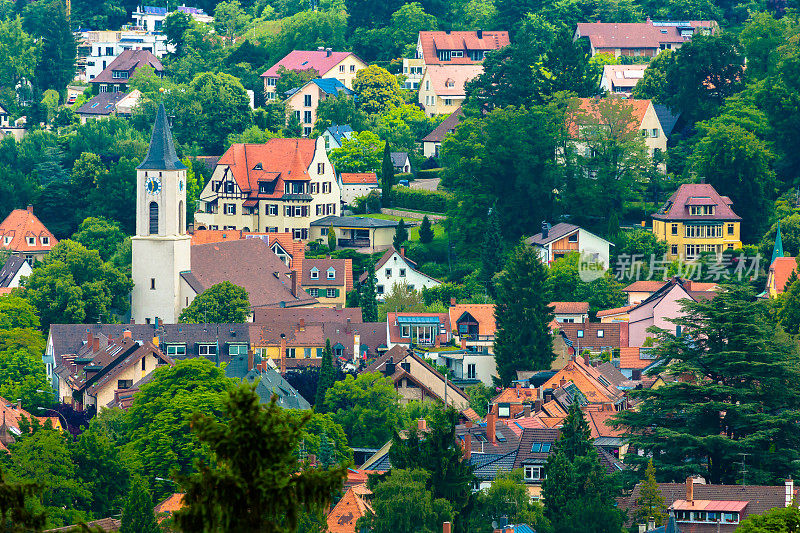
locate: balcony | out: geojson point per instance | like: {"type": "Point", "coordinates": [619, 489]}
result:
{"type": "Point", "coordinates": [354, 243]}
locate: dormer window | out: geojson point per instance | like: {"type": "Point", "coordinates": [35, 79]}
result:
{"type": "Point", "coordinates": [46, 241]}
{"type": "Point", "coordinates": [6, 240]}
{"type": "Point", "coordinates": [701, 210]}
{"type": "Point", "coordinates": [315, 273]}
{"type": "Point", "coordinates": [457, 53]}
{"type": "Point", "coordinates": [120, 74]}
{"type": "Point", "coordinates": [331, 273]}
{"type": "Point", "coordinates": [31, 241]}
{"type": "Point", "coordinates": [258, 167]}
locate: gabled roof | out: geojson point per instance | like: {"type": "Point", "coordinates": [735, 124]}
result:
{"type": "Point", "coordinates": [589, 381]}
{"type": "Point", "coordinates": [598, 418]}
{"type": "Point", "coordinates": [432, 41]}
{"type": "Point", "coordinates": [161, 154]}
{"type": "Point", "coordinates": [677, 206]}
{"type": "Point", "coordinates": [447, 127]}
{"type": "Point", "coordinates": [20, 224]}
{"type": "Point", "coordinates": [331, 86]}
{"type": "Point", "coordinates": [482, 313]}
{"type": "Point", "coordinates": [450, 80]}
{"type": "Point", "coordinates": [655, 285]}
{"type": "Point", "coordinates": [102, 104]}
{"type": "Point", "coordinates": [9, 271]}
{"type": "Point", "coordinates": [562, 229]}
{"type": "Point", "coordinates": [594, 334]}
{"type": "Point", "coordinates": [320, 60]}
{"type": "Point", "coordinates": [570, 308]}
{"type": "Point", "coordinates": [347, 511]}
{"type": "Point", "coordinates": [129, 61]}
{"type": "Point", "coordinates": [342, 268]}
{"type": "Point", "coordinates": [590, 111]}
{"type": "Point", "coordinates": [270, 383]}
{"type": "Point", "coordinates": [273, 162]}
{"type": "Point", "coordinates": [614, 311]}
{"type": "Point", "coordinates": [340, 132]}
{"type": "Point", "coordinates": [359, 178]}
{"type": "Point", "coordinates": [648, 34]}
{"type": "Point", "coordinates": [780, 270]}
{"type": "Point", "coordinates": [398, 158]}
{"type": "Point", "coordinates": [666, 117]}
{"type": "Point", "coordinates": [384, 258]}
{"type": "Point", "coordinates": [529, 454]}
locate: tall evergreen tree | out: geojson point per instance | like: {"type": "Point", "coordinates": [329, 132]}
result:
{"type": "Point", "coordinates": [246, 489]}
{"type": "Point", "coordinates": [650, 503]}
{"type": "Point", "coordinates": [578, 494]}
{"type": "Point", "coordinates": [492, 250]}
{"type": "Point", "coordinates": [425, 230]}
{"type": "Point", "coordinates": [137, 515]}
{"type": "Point", "coordinates": [56, 68]}
{"type": "Point", "coordinates": [13, 511]}
{"type": "Point", "coordinates": [400, 235]}
{"type": "Point", "coordinates": [327, 375]}
{"type": "Point", "coordinates": [523, 315]}
{"type": "Point", "coordinates": [387, 176]}
{"type": "Point", "coordinates": [368, 298]}
{"type": "Point", "coordinates": [739, 393]}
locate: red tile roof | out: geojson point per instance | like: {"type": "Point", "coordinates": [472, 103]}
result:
{"type": "Point", "coordinates": [599, 418]}
{"type": "Point", "coordinates": [432, 41]}
{"type": "Point", "coordinates": [590, 109]}
{"type": "Point", "coordinates": [21, 224]}
{"type": "Point", "coordinates": [295, 248]}
{"type": "Point", "coordinates": [352, 506]}
{"type": "Point", "coordinates": [450, 80]}
{"type": "Point", "coordinates": [357, 178]}
{"type": "Point", "coordinates": [781, 269]}
{"type": "Point", "coordinates": [676, 207]}
{"type": "Point", "coordinates": [570, 308]}
{"type": "Point", "coordinates": [629, 359]}
{"type": "Point", "coordinates": [445, 128]}
{"type": "Point", "coordinates": [130, 61]}
{"type": "Point", "coordinates": [167, 507]}
{"type": "Point", "coordinates": [298, 60]}
{"type": "Point", "coordinates": [343, 271]}
{"type": "Point", "coordinates": [274, 161]}
{"type": "Point", "coordinates": [483, 313]}
{"type": "Point", "coordinates": [615, 311]}
{"type": "Point", "coordinates": [653, 286]}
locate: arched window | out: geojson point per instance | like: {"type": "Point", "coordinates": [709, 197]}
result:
{"type": "Point", "coordinates": [153, 218]}
{"type": "Point", "coordinates": [181, 228]}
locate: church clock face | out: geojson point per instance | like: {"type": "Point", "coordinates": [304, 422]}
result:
{"type": "Point", "coordinates": [153, 185]}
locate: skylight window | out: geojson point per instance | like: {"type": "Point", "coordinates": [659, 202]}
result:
{"type": "Point", "coordinates": [541, 447]}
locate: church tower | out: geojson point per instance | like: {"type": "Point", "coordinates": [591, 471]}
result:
{"type": "Point", "coordinates": [161, 249]}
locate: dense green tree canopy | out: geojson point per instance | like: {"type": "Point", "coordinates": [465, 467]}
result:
{"type": "Point", "coordinates": [377, 89]}
{"type": "Point", "coordinates": [223, 302]}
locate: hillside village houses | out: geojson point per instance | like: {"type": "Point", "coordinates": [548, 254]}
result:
{"type": "Point", "coordinates": [394, 268]}
{"type": "Point", "coordinates": [151, 18]}
{"type": "Point", "coordinates": [116, 76]}
{"type": "Point", "coordinates": [363, 233]}
{"type": "Point", "coordinates": [23, 234]}
{"type": "Point", "coordinates": [303, 101]}
{"type": "Point", "coordinates": [357, 184]}
{"type": "Point", "coordinates": [557, 241]}
{"type": "Point", "coordinates": [341, 66]}
{"type": "Point", "coordinates": [637, 39]}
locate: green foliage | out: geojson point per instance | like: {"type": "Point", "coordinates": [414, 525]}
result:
{"type": "Point", "coordinates": [420, 199]}
{"type": "Point", "coordinates": [56, 66]}
{"type": "Point", "coordinates": [220, 303]}
{"type": "Point", "coordinates": [653, 85]}
{"type": "Point", "coordinates": [650, 503]}
{"type": "Point", "coordinates": [74, 285]}
{"type": "Point", "coordinates": [101, 468]}
{"type": "Point", "coordinates": [367, 407]}
{"type": "Point", "coordinates": [402, 299]}
{"type": "Point", "coordinates": [99, 234]}
{"type": "Point", "coordinates": [137, 515]}
{"type": "Point", "coordinates": [508, 498]}
{"type": "Point", "coordinates": [293, 79]}
{"type": "Point", "coordinates": [387, 177]}
{"type": "Point", "coordinates": [327, 377]}
{"type": "Point", "coordinates": [377, 89]}
{"type": "Point", "coordinates": [225, 109]}
{"type": "Point", "coordinates": [360, 153]}
{"type": "Point", "coordinates": [331, 239]}
{"type": "Point", "coordinates": [317, 426]}
{"type": "Point", "coordinates": [778, 520]}
{"type": "Point", "coordinates": [339, 110]}
{"type": "Point", "coordinates": [22, 372]}
{"type": "Point", "coordinates": [230, 19]}
{"type": "Point", "coordinates": [479, 397]}
{"type": "Point", "coordinates": [175, 26]}
{"type": "Point", "coordinates": [425, 230]}
{"type": "Point", "coordinates": [564, 284]}
{"type": "Point", "coordinates": [399, 492]}
{"type": "Point", "coordinates": [789, 307]}
{"type": "Point", "coordinates": [15, 515]}
{"type": "Point", "coordinates": [400, 235]}
{"type": "Point", "coordinates": [262, 491]}
{"type": "Point", "coordinates": [368, 296]}
{"type": "Point", "coordinates": [20, 54]}
{"type": "Point", "coordinates": [491, 251]}
{"type": "Point", "coordinates": [579, 493]}
{"type": "Point", "coordinates": [745, 373]}
{"type": "Point", "coordinates": [522, 314]}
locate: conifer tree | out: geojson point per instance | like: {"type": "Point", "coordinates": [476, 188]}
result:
{"type": "Point", "coordinates": [256, 483]}
{"type": "Point", "coordinates": [650, 503]}
{"type": "Point", "coordinates": [387, 176]}
{"type": "Point", "coordinates": [331, 239]}
{"type": "Point", "coordinates": [327, 376]}
{"type": "Point", "coordinates": [137, 515]}
{"type": "Point", "coordinates": [577, 491]}
{"type": "Point", "coordinates": [400, 235]}
{"type": "Point", "coordinates": [491, 250]}
{"type": "Point", "coordinates": [425, 230]}
{"type": "Point", "coordinates": [327, 453]}
{"type": "Point", "coordinates": [523, 315]}
{"type": "Point", "coordinates": [368, 298]}
{"type": "Point", "coordinates": [13, 511]}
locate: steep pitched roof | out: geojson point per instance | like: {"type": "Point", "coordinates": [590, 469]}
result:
{"type": "Point", "coordinates": [591, 383]}
{"type": "Point", "coordinates": [331, 86]}
{"type": "Point", "coordinates": [20, 224]}
{"type": "Point", "coordinates": [648, 34]}
{"type": "Point", "coordinates": [447, 127]}
{"type": "Point", "coordinates": [562, 229]}
{"type": "Point", "coordinates": [161, 153]}
{"type": "Point", "coordinates": [450, 80]}
{"type": "Point", "coordinates": [590, 110]}
{"type": "Point", "coordinates": [168, 506]}
{"type": "Point", "coordinates": [359, 178]}
{"type": "Point", "coordinates": [780, 270]}
{"type": "Point", "coordinates": [483, 313]}
{"type": "Point", "coordinates": [270, 383]}
{"type": "Point", "coordinates": [342, 269]}
{"type": "Point", "coordinates": [319, 60]}
{"type": "Point", "coordinates": [347, 511]}
{"type": "Point", "coordinates": [340, 132]}
{"type": "Point", "coordinates": [129, 61]}
{"type": "Point", "coordinates": [528, 453]}
{"type": "Point", "coordinates": [398, 158]}
{"type": "Point", "coordinates": [10, 269]}
{"type": "Point", "coordinates": [432, 41]}
{"type": "Point", "coordinates": [677, 206]}
{"type": "Point", "coordinates": [385, 257]}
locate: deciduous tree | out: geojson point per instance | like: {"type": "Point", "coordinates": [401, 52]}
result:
{"type": "Point", "coordinates": [377, 89]}
{"type": "Point", "coordinates": [223, 302]}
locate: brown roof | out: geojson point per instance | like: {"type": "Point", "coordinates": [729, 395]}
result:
{"type": "Point", "coordinates": [21, 224]}
{"type": "Point", "coordinates": [358, 178]}
{"type": "Point", "coordinates": [272, 162]}
{"type": "Point", "coordinates": [342, 268]}
{"type": "Point", "coordinates": [450, 80]}
{"type": "Point", "coordinates": [311, 315]}
{"type": "Point", "coordinates": [594, 386]}
{"type": "Point", "coordinates": [248, 263]}
{"type": "Point", "coordinates": [483, 313]}
{"type": "Point", "coordinates": [599, 417]}
{"type": "Point", "coordinates": [481, 443]}
{"type": "Point", "coordinates": [570, 308]}
{"type": "Point", "coordinates": [636, 34]}
{"type": "Point", "coordinates": [104, 524]}
{"type": "Point", "coordinates": [432, 41]}
{"type": "Point", "coordinates": [676, 207]}
{"type": "Point", "coordinates": [103, 104]}
{"type": "Point", "coordinates": [129, 61]}
{"type": "Point", "coordinates": [592, 334]}
{"type": "Point", "coordinates": [447, 127]}
{"type": "Point", "coordinates": [295, 248]}
{"type": "Point", "coordinates": [589, 109]}
{"type": "Point", "coordinates": [173, 502]}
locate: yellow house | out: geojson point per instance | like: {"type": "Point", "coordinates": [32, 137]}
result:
{"type": "Point", "coordinates": [442, 88]}
{"type": "Point", "coordinates": [328, 63]}
{"type": "Point", "coordinates": [328, 280]}
{"type": "Point", "coordinates": [697, 219]}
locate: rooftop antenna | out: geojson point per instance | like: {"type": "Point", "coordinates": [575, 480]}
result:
{"type": "Point", "coordinates": [744, 468]}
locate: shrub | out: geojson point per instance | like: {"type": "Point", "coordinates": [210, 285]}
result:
{"type": "Point", "coordinates": [428, 173]}
{"type": "Point", "coordinates": [433, 201]}
{"type": "Point", "coordinates": [403, 176]}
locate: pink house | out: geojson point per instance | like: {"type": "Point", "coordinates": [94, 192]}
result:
{"type": "Point", "coordinates": [662, 305]}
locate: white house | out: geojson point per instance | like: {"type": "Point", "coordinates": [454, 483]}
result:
{"type": "Point", "coordinates": [555, 242]}
{"type": "Point", "coordinates": [13, 271]}
{"type": "Point", "coordinates": [468, 367]}
{"type": "Point", "coordinates": [394, 268]}
{"type": "Point", "coordinates": [357, 184]}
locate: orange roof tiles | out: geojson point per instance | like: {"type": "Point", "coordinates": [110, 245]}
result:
{"type": "Point", "coordinates": [629, 358]}
{"type": "Point", "coordinates": [352, 506]}
{"type": "Point", "coordinates": [587, 379]}
{"type": "Point", "coordinates": [483, 313]}
{"type": "Point", "coordinates": [570, 308]}
{"type": "Point", "coordinates": [450, 80]}
{"type": "Point", "coordinates": [515, 395]}
{"type": "Point", "coordinates": [599, 419]}
{"type": "Point", "coordinates": [780, 270]}
{"type": "Point", "coordinates": [168, 506]}
{"type": "Point", "coordinates": [357, 178]}
{"type": "Point", "coordinates": [432, 41]}
{"type": "Point", "coordinates": [590, 109]}
{"type": "Point", "coordinates": [615, 311]}
{"type": "Point", "coordinates": [19, 226]}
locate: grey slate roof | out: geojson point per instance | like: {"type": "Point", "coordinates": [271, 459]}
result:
{"type": "Point", "coordinates": [355, 222]}
{"type": "Point", "coordinates": [488, 466]}
{"type": "Point", "coordinates": [339, 132]}
{"type": "Point", "coordinates": [10, 269]}
{"type": "Point", "coordinates": [556, 232]}
{"type": "Point", "coordinates": [102, 104]}
{"type": "Point", "coordinates": [667, 118]}
{"type": "Point", "coordinates": [161, 154]}
{"type": "Point", "coordinates": [269, 382]}
{"type": "Point", "coordinates": [398, 158]}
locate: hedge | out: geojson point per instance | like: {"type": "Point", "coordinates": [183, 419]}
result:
{"type": "Point", "coordinates": [429, 173]}
{"type": "Point", "coordinates": [403, 176]}
{"type": "Point", "coordinates": [420, 200]}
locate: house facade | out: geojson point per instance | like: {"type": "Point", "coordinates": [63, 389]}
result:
{"type": "Point", "coordinates": [98, 49]}
{"type": "Point", "coordinates": [417, 329]}
{"type": "Point", "coordinates": [473, 326]}
{"type": "Point", "coordinates": [641, 39]}
{"type": "Point", "coordinates": [557, 241]}
{"type": "Point", "coordinates": [304, 101]}
{"type": "Point", "coordinates": [328, 280]}
{"type": "Point", "coordinates": [394, 268]}
{"type": "Point", "coordinates": [116, 77]}
{"type": "Point", "coordinates": [570, 312]}
{"type": "Point", "coordinates": [12, 272]}
{"type": "Point", "coordinates": [151, 18]}
{"type": "Point", "coordinates": [335, 135]}
{"type": "Point", "coordinates": [432, 142]}
{"type": "Point", "coordinates": [696, 219]}
{"type": "Point", "coordinates": [357, 184]}
{"type": "Point", "coordinates": [329, 64]}
{"type": "Point", "coordinates": [108, 104]}
{"type": "Point", "coordinates": [442, 88]}
{"type": "Point", "coordinates": [467, 367]}
{"type": "Point", "coordinates": [401, 162]}
{"type": "Point", "coordinates": [458, 47]}
{"type": "Point", "coordinates": [355, 232]}
{"type": "Point", "coordinates": [23, 234]}
{"type": "Point", "coordinates": [280, 186]}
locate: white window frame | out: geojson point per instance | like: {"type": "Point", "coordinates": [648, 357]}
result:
{"type": "Point", "coordinates": [331, 273]}
{"type": "Point", "coordinates": [207, 349]}
{"type": "Point", "coordinates": [405, 332]}
{"type": "Point", "coordinates": [176, 349]}
{"type": "Point", "coordinates": [315, 273]}
{"type": "Point", "coordinates": [330, 293]}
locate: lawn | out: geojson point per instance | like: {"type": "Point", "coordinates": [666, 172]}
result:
{"type": "Point", "coordinates": [389, 217]}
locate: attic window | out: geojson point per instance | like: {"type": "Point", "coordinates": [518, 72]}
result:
{"type": "Point", "coordinates": [45, 241]}
{"type": "Point", "coordinates": [315, 273]}
{"type": "Point", "coordinates": [541, 447]}
{"type": "Point", "coordinates": [304, 63]}
{"type": "Point", "coordinates": [31, 241]}
{"type": "Point", "coordinates": [257, 167]}
{"type": "Point", "coordinates": [331, 273]}
{"type": "Point", "coordinates": [95, 104]}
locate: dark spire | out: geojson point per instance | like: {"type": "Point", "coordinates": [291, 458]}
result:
{"type": "Point", "coordinates": [161, 155]}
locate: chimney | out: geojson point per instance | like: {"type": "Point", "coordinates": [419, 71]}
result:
{"type": "Point", "coordinates": [328, 52]}
{"type": "Point", "coordinates": [545, 229]}
{"type": "Point", "coordinates": [789, 483]}
{"type": "Point", "coordinates": [467, 446]}
{"type": "Point", "coordinates": [30, 209]}
{"type": "Point", "coordinates": [526, 409]}
{"type": "Point", "coordinates": [96, 344]}
{"type": "Point", "coordinates": [537, 405]}
{"type": "Point", "coordinates": [651, 524]}
{"type": "Point", "coordinates": [491, 426]}
{"type": "Point", "coordinates": [689, 489]}
{"type": "Point", "coordinates": [463, 343]}
{"type": "Point", "coordinates": [126, 334]}
{"type": "Point", "coordinates": [447, 527]}
{"type": "Point", "coordinates": [356, 347]}
{"type": "Point", "coordinates": [250, 359]}
{"type": "Point", "coordinates": [293, 277]}
{"type": "Point", "coordinates": [563, 382]}
{"type": "Point", "coordinates": [403, 251]}
{"type": "Point", "coordinates": [422, 424]}
{"type": "Point", "coordinates": [302, 324]}
{"type": "Point", "coordinates": [586, 360]}
{"type": "Point", "coordinates": [480, 34]}
{"type": "Point", "coordinates": [452, 301]}
{"type": "Point", "coordinates": [517, 388]}
{"type": "Point", "coordinates": [283, 353]}
{"type": "Point", "coordinates": [19, 404]}
{"type": "Point", "coordinates": [88, 337]}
